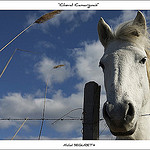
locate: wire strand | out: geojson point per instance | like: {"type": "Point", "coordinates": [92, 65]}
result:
{"type": "Point", "coordinates": [65, 115]}
{"type": "Point", "coordinates": [145, 115]}
{"type": "Point", "coordinates": [103, 130]}
{"type": "Point", "coordinates": [37, 119]}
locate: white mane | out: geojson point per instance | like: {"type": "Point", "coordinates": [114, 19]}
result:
{"type": "Point", "coordinates": [132, 33]}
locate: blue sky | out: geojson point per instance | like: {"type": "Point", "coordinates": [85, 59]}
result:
{"type": "Point", "coordinates": [71, 39]}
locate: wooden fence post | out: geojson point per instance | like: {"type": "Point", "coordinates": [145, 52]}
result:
{"type": "Point", "coordinates": [91, 111]}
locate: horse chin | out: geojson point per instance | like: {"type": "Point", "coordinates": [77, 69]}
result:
{"type": "Point", "coordinates": [125, 133]}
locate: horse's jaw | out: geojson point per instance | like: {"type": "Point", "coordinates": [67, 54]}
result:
{"type": "Point", "coordinates": [139, 134]}
{"type": "Point", "coordinates": [127, 133]}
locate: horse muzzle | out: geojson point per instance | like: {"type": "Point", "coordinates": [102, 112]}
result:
{"type": "Point", "coordinates": [119, 118]}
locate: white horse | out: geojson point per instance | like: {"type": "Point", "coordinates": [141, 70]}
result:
{"type": "Point", "coordinates": [126, 67]}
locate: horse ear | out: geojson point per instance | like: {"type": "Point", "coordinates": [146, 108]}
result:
{"type": "Point", "coordinates": [140, 21]}
{"type": "Point", "coordinates": [104, 32]}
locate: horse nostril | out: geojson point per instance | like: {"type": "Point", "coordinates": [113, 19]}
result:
{"type": "Point", "coordinates": [130, 113]}
{"type": "Point", "coordinates": [104, 110]}
{"type": "Point", "coordinates": [121, 112]}
{"type": "Point", "coordinates": [107, 109]}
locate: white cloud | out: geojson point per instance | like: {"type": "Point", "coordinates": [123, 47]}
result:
{"type": "Point", "coordinates": [31, 18]}
{"type": "Point", "coordinates": [87, 61]}
{"type": "Point", "coordinates": [125, 16]}
{"type": "Point", "coordinates": [86, 15]}
{"type": "Point", "coordinates": [45, 44]}
{"type": "Point", "coordinates": [46, 72]}
{"type": "Point", "coordinates": [14, 105]}
{"type": "Point", "coordinates": [74, 18]}
{"type": "Point", "coordinates": [66, 16]}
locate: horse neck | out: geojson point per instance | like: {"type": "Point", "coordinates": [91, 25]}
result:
{"type": "Point", "coordinates": [143, 129]}
{"type": "Point", "coordinates": [143, 124]}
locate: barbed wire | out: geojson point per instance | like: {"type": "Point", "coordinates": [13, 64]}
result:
{"type": "Point", "coordinates": [38, 119]}
{"type": "Point", "coordinates": [145, 115]}
{"type": "Point", "coordinates": [103, 130]}
{"type": "Point", "coordinates": [71, 118]}
{"type": "Point", "coordinates": [66, 114]}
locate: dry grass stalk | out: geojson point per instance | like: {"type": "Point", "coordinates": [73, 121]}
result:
{"type": "Point", "coordinates": [8, 63]}
{"type": "Point", "coordinates": [55, 67]}
{"type": "Point", "coordinates": [48, 16]}
{"type": "Point", "coordinates": [27, 51]}
{"type": "Point", "coordinates": [11, 59]}
{"type": "Point", "coordinates": [40, 20]}
{"type": "Point", "coordinates": [16, 37]}
{"type": "Point", "coordinates": [43, 113]}
{"type": "Point", "coordinates": [19, 128]}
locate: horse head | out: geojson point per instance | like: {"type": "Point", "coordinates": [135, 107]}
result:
{"type": "Point", "coordinates": [126, 78]}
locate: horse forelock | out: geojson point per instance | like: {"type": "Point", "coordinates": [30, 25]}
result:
{"type": "Point", "coordinates": [132, 33]}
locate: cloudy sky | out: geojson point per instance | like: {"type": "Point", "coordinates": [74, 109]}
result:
{"type": "Point", "coordinates": [70, 39]}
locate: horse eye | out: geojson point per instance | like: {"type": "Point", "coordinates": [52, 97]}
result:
{"type": "Point", "coordinates": [101, 65]}
{"type": "Point", "coordinates": [143, 60]}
